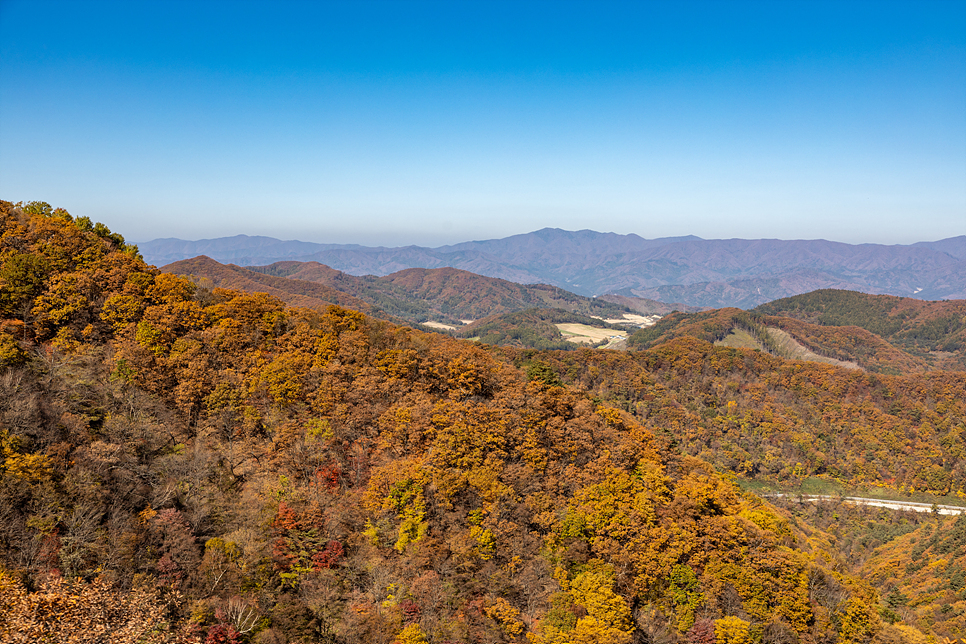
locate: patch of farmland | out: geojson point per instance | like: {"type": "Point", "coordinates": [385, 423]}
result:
{"type": "Point", "coordinates": [585, 334]}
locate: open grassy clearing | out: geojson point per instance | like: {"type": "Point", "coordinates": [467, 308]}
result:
{"type": "Point", "coordinates": [793, 349]}
{"type": "Point", "coordinates": [439, 325]}
{"type": "Point", "coordinates": [740, 339]}
{"type": "Point", "coordinates": [632, 318]}
{"type": "Point", "coordinates": [788, 346]}
{"type": "Point", "coordinates": [584, 334]}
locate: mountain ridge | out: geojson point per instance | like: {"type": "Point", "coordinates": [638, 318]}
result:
{"type": "Point", "coordinates": [440, 295]}
{"type": "Point", "coordinates": [689, 270]}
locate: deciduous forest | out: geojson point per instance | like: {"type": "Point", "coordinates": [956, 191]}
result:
{"type": "Point", "coordinates": [191, 464]}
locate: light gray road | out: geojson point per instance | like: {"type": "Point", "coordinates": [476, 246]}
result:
{"type": "Point", "coordinates": [876, 503]}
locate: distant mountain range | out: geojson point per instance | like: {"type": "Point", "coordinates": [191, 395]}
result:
{"type": "Point", "coordinates": [687, 270]}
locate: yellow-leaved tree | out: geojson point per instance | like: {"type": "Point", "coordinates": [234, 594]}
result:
{"type": "Point", "coordinates": [608, 618]}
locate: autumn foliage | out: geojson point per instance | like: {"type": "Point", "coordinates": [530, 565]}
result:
{"type": "Point", "coordinates": [222, 467]}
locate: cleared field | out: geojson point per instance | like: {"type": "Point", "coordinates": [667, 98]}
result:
{"type": "Point", "coordinates": [583, 334]}
{"type": "Point", "coordinates": [792, 348]}
{"type": "Point", "coordinates": [632, 318]}
{"type": "Point", "coordinates": [439, 325]}
{"type": "Point", "coordinates": [740, 339]}
{"type": "Point", "coordinates": [788, 346]}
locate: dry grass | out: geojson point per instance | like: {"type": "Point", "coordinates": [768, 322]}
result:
{"type": "Point", "coordinates": [583, 334]}
{"type": "Point", "coordinates": [788, 346]}
{"type": "Point", "coordinates": [439, 325]}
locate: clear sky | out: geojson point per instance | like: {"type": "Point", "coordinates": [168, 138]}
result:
{"type": "Point", "coordinates": [407, 122]}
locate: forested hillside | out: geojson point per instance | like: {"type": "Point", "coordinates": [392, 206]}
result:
{"type": "Point", "coordinates": [763, 417]}
{"type": "Point", "coordinates": [922, 577]}
{"type": "Point", "coordinates": [207, 465]}
{"type": "Point", "coordinates": [446, 293]}
{"type": "Point", "coordinates": [916, 561]}
{"type": "Point", "coordinates": [849, 343]}
{"type": "Point", "coordinates": [933, 331]}
{"type": "Point", "coordinates": [208, 273]}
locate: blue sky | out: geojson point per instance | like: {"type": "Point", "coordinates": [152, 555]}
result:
{"type": "Point", "coordinates": [427, 123]}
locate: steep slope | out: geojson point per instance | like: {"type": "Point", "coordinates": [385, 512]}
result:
{"type": "Point", "coordinates": [922, 577]}
{"type": "Point", "coordinates": [912, 558]}
{"type": "Point", "coordinates": [780, 421]}
{"type": "Point", "coordinates": [325, 476]}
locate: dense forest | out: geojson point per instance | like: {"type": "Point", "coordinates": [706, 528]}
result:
{"type": "Point", "coordinates": [192, 464]}
{"type": "Point", "coordinates": [763, 417]}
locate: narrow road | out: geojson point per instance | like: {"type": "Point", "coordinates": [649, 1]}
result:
{"type": "Point", "coordinates": [876, 503]}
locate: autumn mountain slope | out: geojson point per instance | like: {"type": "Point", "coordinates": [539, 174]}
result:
{"type": "Point", "coordinates": [276, 474]}
{"type": "Point", "coordinates": [211, 274]}
{"type": "Point", "coordinates": [317, 286]}
{"type": "Point", "coordinates": [916, 561]}
{"type": "Point", "coordinates": [445, 295]}
{"type": "Point", "coordinates": [766, 418]}
{"type": "Point", "coordinates": [792, 338]}
{"type": "Point", "coordinates": [922, 577]}
{"type": "Point", "coordinates": [932, 331]}
{"type": "Point", "coordinates": [448, 293]}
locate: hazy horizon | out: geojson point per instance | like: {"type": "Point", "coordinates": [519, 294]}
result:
{"type": "Point", "coordinates": [433, 123]}
{"type": "Point", "coordinates": [483, 239]}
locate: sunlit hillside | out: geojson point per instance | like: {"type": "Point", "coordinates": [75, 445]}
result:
{"type": "Point", "coordinates": [183, 463]}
